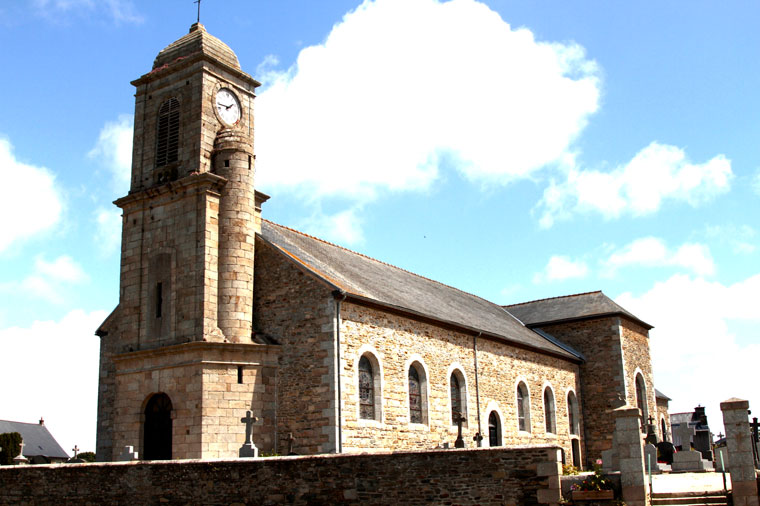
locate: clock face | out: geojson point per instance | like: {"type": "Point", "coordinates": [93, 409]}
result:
{"type": "Point", "coordinates": [227, 106]}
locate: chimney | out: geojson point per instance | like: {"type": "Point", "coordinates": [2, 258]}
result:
{"type": "Point", "coordinates": [42, 421]}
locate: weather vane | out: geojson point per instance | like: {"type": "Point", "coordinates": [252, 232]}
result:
{"type": "Point", "coordinates": [199, 9]}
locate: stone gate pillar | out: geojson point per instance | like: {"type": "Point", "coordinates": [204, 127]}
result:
{"type": "Point", "coordinates": [742, 463]}
{"type": "Point", "coordinates": [628, 448]}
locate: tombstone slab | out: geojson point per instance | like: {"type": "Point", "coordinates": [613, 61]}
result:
{"type": "Point", "coordinates": [691, 461]}
{"type": "Point", "coordinates": [127, 454]}
{"type": "Point", "coordinates": [650, 460]}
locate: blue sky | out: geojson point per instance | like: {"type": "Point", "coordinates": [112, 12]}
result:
{"type": "Point", "coordinates": [515, 150]}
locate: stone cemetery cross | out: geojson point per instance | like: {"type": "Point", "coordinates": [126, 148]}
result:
{"type": "Point", "coordinates": [75, 450]}
{"type": "Point", "coordinates": [458, 418]}
{"type": "Point", "coordinates": [684, 434]}
{"type": "Point", "coordinates": [249, 421]}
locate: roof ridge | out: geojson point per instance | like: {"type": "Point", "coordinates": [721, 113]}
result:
{"type": "Point", "coordinates": [553, 298]}
{"type": "Point", "coordinates": [386, 263]}
{"type": "Point", "coordinates": [25, 423]}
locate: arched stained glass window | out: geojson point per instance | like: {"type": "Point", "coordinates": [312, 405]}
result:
{"type": "Point", "coordinates": [494, 430]}
{"type": "Point", "coordinates": [549, 411]}
{"type": "Point", "coordinates": [167, 138]}
{"type": "Point", "coordinates": [415, 396]}
{"type": "Point", "coordinates": [572, 413]}
{"type": "Point", "coordinates": [641, 400]}
{"type": "Point", "coordinates": [366, 389]}
{"type": "Point", "coordinates": [523, 409]}
{"type": "Point", "coordinates": [456, 399]}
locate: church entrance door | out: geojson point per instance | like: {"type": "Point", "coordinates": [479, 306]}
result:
{"type": "Point", "coordinates": [157, 435]}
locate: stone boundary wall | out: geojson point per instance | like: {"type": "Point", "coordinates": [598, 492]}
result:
{"type": "Point", "coordinates": [501, 476]}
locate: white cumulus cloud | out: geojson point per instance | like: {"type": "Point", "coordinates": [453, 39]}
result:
{"type": "Point", "coordinates": [697, 358]}
{"type": "Point", "coordinates": [657, 173]}
{"type": "Point", "coordinates": [62, 383]}
{"type": "Point", "coordinates": [114, 151]}
{"type": "Point", "coordinates": [121, 11]}
{"type": "Point", "coordinates": [653, 252]}
{"type": "Point", "coordinates": [108, 230]}
{"type": "Point", "coordinates": [27, 213]}
{"type": "Point", "coordinates": [560, 268]}
{"type": "Point", "coordinates": [49, 280]}
{"type": "Point", "coordinates": [343, 227]}
{"type": "Point", "coordinates": [401, 86]}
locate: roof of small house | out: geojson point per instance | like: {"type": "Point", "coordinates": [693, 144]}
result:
{"type": "Point", "coordinates": [366, 279]}
{"type": "Point", "coordinates": [580, 306]}
{"type": "Point", "coordinates": [38, 441]}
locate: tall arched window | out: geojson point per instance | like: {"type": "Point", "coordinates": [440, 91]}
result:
{"type": "Point", "coordinates": [415, 396]}
{"type": "Point", "coordinates": [458, 397]}
{"type": "Point", "coordinates": [664, 428]}
{"type": "Point", "coordinates": [549, 411]}
{"type": "Point", "coordinates": [494, 430]}
{"type": "Point", "coordinates": [572, 413]}
{"type": "Point", "coordinates": [641, 400]}
{"type": "Point", "coordinates": [523, 408]}
{"type": "Point", "coordinates": [167, 137]}
{"type": "Point", "coordinates": [366, 389]}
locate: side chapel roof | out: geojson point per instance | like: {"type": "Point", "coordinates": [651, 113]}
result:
{"type": "Point", "coordinates": [581, 306]}
{"type": "Point", "coordinates": [38, 441]}
{"type": "Point", "coordinates": [373, 281]}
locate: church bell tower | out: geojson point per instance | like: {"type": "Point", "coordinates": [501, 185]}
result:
{"type": "Point", "coordinates": [182, 332]}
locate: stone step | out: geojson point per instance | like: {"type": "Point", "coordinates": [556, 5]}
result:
{"type": "Point", "coordinates": [689, 499]}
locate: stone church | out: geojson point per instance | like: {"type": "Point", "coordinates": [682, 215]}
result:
{"type": "Point", "coordinates": [221, 311]}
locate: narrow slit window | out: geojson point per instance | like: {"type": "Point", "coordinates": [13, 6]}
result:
{"type": "Point", "coordinates": [240, 374]}
{"type": "Point", "coordinates": [159, 299]}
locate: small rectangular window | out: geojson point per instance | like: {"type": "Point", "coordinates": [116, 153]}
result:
{"type": "Point", "coordinates": [240, 374]}
{"type": "Point", "coordinates": [159, 299]}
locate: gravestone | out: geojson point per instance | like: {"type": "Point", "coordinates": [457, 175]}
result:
{"type": "Point", "coordinates": [666, 451]}
{"type": "Point", "coordinates": [20, 460]}
{"type": "Point", "coordinates": [650, 460]}
{"type": "Point", "coordinates": [702, 437]}
{"type": "Point", "coordinates": [248, 450]}
{"type": "Point", "coordinates": [688, 459]}
{"type": "Point", "coordinates": [127, 454]}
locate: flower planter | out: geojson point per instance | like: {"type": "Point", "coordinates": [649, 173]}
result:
{"type": "Point", "coordinates": [592, 495]}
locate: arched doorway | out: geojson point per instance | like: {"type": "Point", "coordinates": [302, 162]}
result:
{"type": "Point", "coordinates": [494, 430]}
{"type": "Point", "coordinates": [157, 430]}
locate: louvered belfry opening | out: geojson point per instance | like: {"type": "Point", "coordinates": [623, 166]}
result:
{"type": "Point", "coordinates": [167, 142]}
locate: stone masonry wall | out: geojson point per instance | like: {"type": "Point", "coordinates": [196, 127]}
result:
{"type": "Point", "coordinates": [298, 311]}
{"type": "Point", "coordinates": [635, 343]}
{"type": "Point", "coordinates": [397, 342]}
{"type": "Point", "coordinates": [663, 414]}
{"type": "Point", "coordinates": [501, 476]}
{"type": "Point", "coordinates": [208, 401]}
{"type": "Point", "coordinates": [601, 377]}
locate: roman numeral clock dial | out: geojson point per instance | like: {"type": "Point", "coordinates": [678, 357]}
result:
{"type": "Point", "coordinates": [227, 106]}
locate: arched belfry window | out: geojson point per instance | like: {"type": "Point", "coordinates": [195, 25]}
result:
{"type": "Point", "coordinates": [641, 400]}
{"type": "Point", "coordinates": [366, 389]}
{"type": "Point", "coordinates": [417, 394]}
{"type": "Point", "coordinates": [572, 413]}
{"type": "Point", "coordinates": [458, 397]}
{"type": "Point", "coordinates": [167, 138]}
{"type": "Point", "coordinates": [551, 426]}
{"type": "Point", "coordinates": [523, 408]}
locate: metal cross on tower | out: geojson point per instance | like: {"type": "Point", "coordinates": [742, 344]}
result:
{"type": "Point", "coordinates": [199, 10]}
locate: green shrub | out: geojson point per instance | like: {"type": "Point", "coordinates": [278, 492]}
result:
{"type": "Point", "coordinates": [87, 456]}
{"type": "Point", "coordinates": [10, 442]}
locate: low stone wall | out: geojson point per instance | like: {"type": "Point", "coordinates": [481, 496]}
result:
{"type": "Point", "coordinates": [513, 476]}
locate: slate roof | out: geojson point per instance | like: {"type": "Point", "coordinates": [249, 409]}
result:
{"type": "Point", "coordinates": [37, 439]}
{"type": "Point", "coordinates": [367, 279]}
{"type": "Point", "coordinates": [571, 307]}
{"type": "Point", "coordinates": [660, 395]}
